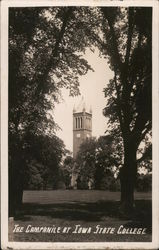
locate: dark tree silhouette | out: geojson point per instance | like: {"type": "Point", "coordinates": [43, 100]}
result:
{"type": "Point", "coordinates": [44, 56]}
{"type": "Point", "coordinates": [127, 43]}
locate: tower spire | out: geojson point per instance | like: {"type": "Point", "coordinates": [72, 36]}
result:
{"type": "Point", "coordinates": [74, 109]}
{"type": "Point", "coordinates": [90, 109]}
{"type": "Point", "coordinates": [84, 107]}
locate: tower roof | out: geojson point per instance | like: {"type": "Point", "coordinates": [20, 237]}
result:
{"type": "Point", "coordinates": [81, 107]}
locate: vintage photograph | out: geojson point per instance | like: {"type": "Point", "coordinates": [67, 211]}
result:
{"type": "Point", "coordinates": [80, 165]}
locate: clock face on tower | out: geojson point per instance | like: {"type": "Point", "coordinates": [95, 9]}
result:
{"type": "Point", "coordinates": [78, 135]}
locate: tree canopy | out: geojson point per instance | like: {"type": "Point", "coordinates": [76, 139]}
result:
{"type": "Point", "coordinates": [127, 42]}
{"type": "Point", "coordinates": [44, 56]}
{"type": "Point", "coordinates": [98, 160]}
{"type": "Point", "coordinates": [128, 45]}
{"type": "Point", "coordinates": [45, 49]}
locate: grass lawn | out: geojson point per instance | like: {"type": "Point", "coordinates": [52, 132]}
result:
{"type": "Point", "coordinates": [90, 209]}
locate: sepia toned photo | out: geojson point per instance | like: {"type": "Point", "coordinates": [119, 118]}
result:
{"type": "Point", "coordinates": [78, 126]}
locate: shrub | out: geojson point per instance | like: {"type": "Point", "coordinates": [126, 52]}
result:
{"type": "Point", "coordinates": [144, 183]}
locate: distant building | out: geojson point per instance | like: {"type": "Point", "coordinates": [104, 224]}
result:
{"type": "Point", "coordinates": [82, 129]}
{"type": "Point", "coordinates": [82, 125]}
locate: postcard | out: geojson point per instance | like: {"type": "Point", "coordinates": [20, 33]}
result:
{"type": "Point", "coordinates": [79, 124]}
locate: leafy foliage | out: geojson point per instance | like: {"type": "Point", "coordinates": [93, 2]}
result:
{"type": "Point", "coordinates": [67, 170]}
{"type": "Point", "coordinates": [144, 183]}
{"type": "Point", "coordinates": [129, 92]}
{"type": "Point", "coordinates": [128, 45]}
{"type": "Point", "coordinates": [35, 180]}
{"type": "Point", "coordinates": [44, 56]}
{"type": "Point", "coordinates": [97, 162]}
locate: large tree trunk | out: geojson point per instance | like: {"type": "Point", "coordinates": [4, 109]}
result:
{"type": "Point", "coordinates": [15, 194]}
{"type": "Point", "coordinates": [17, 179]}
{"type": "Point", "coordinates": [128, 179]}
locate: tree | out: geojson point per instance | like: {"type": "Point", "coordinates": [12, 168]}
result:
{"type": "Point", "coordinates": [67, 170]}
{"type": "Point", "coordinates": [85, 162]}
{"type": "Point", "coordinates": [49, 151]}
{"type": "Point", "coordinates": [37, 165]}
{"type": "Point", "coordinates": [126, 41]}
{"type": "Point", "coordinates": [98, 161]}
{"type": "Point", "coordinates": [35, 180]}
{"type": "Point", "coordinates": [44, 56]}
{"type": "Point", "coordinates": [107, 162]}
{"type": "Point", "coordinates": [144, 182]}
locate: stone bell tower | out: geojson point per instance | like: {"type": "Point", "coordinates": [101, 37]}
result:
{"type": "Point", "coordinates": [82, 125]}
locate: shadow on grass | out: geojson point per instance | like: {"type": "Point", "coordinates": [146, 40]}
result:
{"type": "Point", "coordinates": [141, 217]}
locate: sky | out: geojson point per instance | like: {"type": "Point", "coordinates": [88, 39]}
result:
{"type": "Point", "coordinates": [91, 88]}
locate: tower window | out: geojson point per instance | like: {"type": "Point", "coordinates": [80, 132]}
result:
{"type": "Point", "coordinates": [76, 122]}
{"type": "Point", "coordinates": [81, 122]}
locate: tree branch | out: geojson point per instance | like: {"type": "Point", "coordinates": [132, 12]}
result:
{"type": "Point", "coordinates": [147, 129]}
{"type": "Point", "coordinates": [41, 80]}
{"type": "Point", "coordinates": [114, 45]}
{"type": "Point", "coordinates": [119, 105]}
{"type": "Point", "coordinates": [146, 154]}
{"type": "Point", "coordinates": [130, 32]}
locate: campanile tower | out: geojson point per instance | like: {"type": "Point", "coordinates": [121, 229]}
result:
{"type": "Point", "coordinates": [82, 125]}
